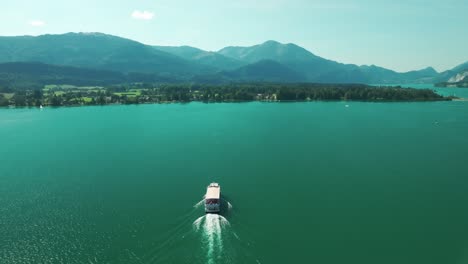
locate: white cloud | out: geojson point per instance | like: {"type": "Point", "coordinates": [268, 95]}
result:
{"type": "Point", "coordinates": [37, 23]}
{"type": "Point", "coordinates": [142, 15]}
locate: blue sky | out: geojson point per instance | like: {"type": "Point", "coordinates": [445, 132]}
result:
{"type": "Point", "coordinates": [400, 35]}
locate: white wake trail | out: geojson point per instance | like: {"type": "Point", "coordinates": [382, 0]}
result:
{"type": "Point", "coordinates": [197, 223]}
{"type": "Point", "coordinates": [211, 227]}
{"type": "Point", "coordinates": [197, 205]}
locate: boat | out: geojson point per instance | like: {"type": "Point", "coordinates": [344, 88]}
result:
{"type": "Point", "coordinates": [213, 198]}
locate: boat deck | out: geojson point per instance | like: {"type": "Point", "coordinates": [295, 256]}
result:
{"type": "Point", "coordinates": [213, 193]}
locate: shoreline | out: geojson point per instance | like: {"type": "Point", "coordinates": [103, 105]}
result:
{"type": "Point", "coordinates": [240, 102]}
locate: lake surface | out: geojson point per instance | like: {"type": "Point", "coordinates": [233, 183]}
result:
{"type": "Point", "coordinates": [319, 182]}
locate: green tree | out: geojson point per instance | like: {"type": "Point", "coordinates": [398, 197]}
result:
{"type": "Point", "coordinates": [37, 94]}
{"type": "Point", "coordinates": [101, 99]}
{"type": "Point", "coordinates": [20, 99]}
{"type": "Point", "coordinates": [56, 100]}
{"type": "Point", "coordinates": [3, 100]}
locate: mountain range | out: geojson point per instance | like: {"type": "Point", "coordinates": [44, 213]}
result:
{"type": "Point", "coordinates": [268, 62]}
{"type": "Point", "coordinates": [458, 80]}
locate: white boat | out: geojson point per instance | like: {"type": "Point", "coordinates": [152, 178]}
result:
{"type": "Point", "coordinates": [213, 198]}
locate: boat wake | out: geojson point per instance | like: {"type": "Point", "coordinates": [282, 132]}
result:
{"type": "Point", "coordinates": [199, 204]}
{"type": "Point", "coordinates": [209, 239]}
{"type": "Point", "coordinates": [211, 228]}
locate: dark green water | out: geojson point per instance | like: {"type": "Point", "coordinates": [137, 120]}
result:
{"type": "Point", "coordinates": [308, 183]}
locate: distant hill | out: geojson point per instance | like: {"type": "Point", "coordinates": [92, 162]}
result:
{"type": "Point", "coordinates": [317, 69]}
{"type": "Point", "coordinates": [291, 55]}
{"type": "Point", "coordinates": [34, 75]}
{"type": "Point", "coordinates": [447, 75]}
{"type": "Point", "coordinates": [460, 77]}
{"type": "Point", "coordinates": [265, 71]}
{"type": "Point", "coordinates": [375, 74]}
{"type": "Point", "coordinates": [461, 67]}
{"type": "Point", "coordinates": [458, 80]}
{"type": "Point", "coordinates": [270, 50]}
{"type": "Point", "coordinates": [212, 59]}
{"type": "Point", "coordinates": [262, 71]}
{"type": "Point", "coordinates": [93, 50]}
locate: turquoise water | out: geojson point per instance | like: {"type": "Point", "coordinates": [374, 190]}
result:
{"type": "Point", "coordinates": [319, 182]}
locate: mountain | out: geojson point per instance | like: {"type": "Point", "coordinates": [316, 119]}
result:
{"type": "Point", "coordinates": [291, 55]}
{"type": "Point", "coordinates": [93, 50]}
{"type": "Point", "coordinates": [261, 71]}
{"type": "Point", "coordinates": [424, 74]}
{"type": "Point", "coordinates": [459, 80]}
{"type": "Point", "coordinates": [199, 56]}
{"type": "Point", "coordinates": [375, 74]}
{"type": "Point", "coordinates": [461, 67]}
{"type": "Point", "coordinates": [460, 77]}
{"type": "Point", "coordinates": [265, 71]}
{"type": "Point", "coordinates": [317, 69]}
{"type": "Point", "coordinates": [456, 77]}
{"type": "Point", "coordinates": [447, 75]}
{"type": "Point", "coordinates": [270, 50]}
{"type": "Point", "coordinates": [265, 61]}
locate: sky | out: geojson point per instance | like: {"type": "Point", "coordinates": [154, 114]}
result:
{"type": "Point", "coordinates": [401, 35]}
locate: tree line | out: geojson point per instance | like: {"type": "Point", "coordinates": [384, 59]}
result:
{"type": "Point", "coordinates": [234, 92]}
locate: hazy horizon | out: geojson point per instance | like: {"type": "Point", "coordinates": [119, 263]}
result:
{"type": "Point", "coordinates": [401, 35]}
